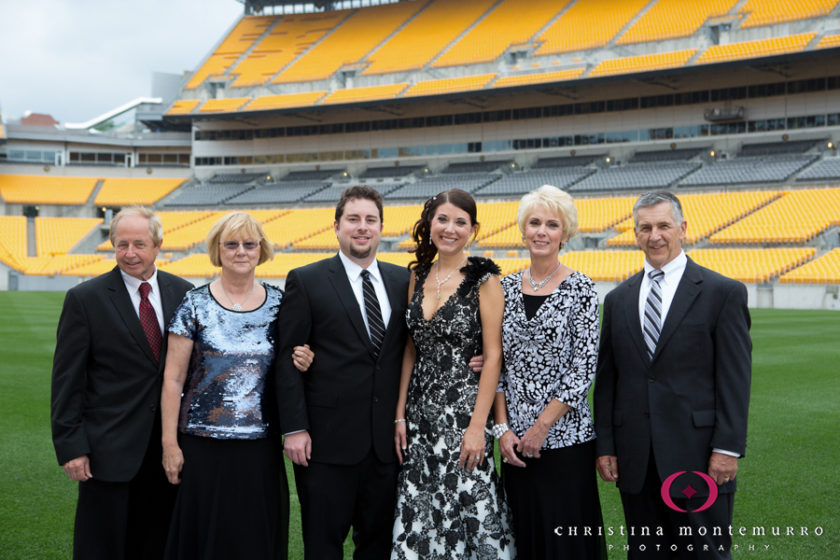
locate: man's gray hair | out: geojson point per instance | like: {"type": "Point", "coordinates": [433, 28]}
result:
{"type": "Point", "coordinates": [155, 226]}
{"type": "Point", "coordinates": [657, 197]}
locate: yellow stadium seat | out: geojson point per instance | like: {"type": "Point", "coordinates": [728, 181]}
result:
{"type": "Point", "coordinates": [449, 85]}
{"type": "Point", "coordinates": [493, 34]}
{"type": "Point", "coordinates": [369, 93]}
{"type": "Point", "coordinates": [669, 19]}
{"type": "Point", "coordinates": [754, 49]}
{"type": "Point", "coordinates": [57, 236]}
{"type": "Point", "coordinates": [126, 191]}
{"type": "Point", "coordinates": [829, 41]}
{"type": "Point", "coordinates": [822, 270]}
{"type": "Point", "coordinates": [285, 101]}
{"type": "Point", "coordinates": [425, 35]}
{"type": "Point", "coordinates": [544, 77]}
{"type": "Point", "coordinates": [13, 240]}
{"type": "Point", "coordinates": [587, 24]}
{"type": "Point", "coordinates": [226, 105]}
{"type": "Point", "coordinates": [350, 41]}
{"type": "Point", "coordinates": [642, 63]}
{"type": "Point", "coordinates": [752, 265]}
{"type": "Point", "coordinates": [771, 12]}
{"type": "Point", "coordinates": [39, 189]}
{"type": "Point", "coordinates": [803, 213]}
{"type": "Point", "coordinates": [183, 106]}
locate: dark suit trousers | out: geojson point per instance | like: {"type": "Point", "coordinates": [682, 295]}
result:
{"type": "Point", "coordinates": [648, 510]}
{"type": "Point", "coordinates": [125, 520]}
{"type": "Point", "coordinates": [335, 497]}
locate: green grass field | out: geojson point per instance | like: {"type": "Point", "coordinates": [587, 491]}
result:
{"type": "Point", "coordinates": [785, 480]}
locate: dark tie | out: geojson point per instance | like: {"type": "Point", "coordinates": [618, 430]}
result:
{"type": "Point", "coordinates": [149, 320]}
{"type": "Point", "coordinates": [653, 312]}
{"type": "Point", "coordinates": [374, 315]}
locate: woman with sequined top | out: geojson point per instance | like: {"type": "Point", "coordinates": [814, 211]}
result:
{"type": "Point", "coordinates": [543, 421]}
{"type": "Point", "coordinates": [218, 436]}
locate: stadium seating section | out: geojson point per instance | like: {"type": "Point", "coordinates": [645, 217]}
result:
{"type": "Point", "coordinates": [124, 192]}
{"type": "Point", "coordinates": [431, 35]}
{"type": "Point", "coordinates": [36, 189]}
{"type": "Point", "coordinates": [302, 235]}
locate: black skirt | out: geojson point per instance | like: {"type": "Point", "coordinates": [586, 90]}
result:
{"type": "Point", "coordinates": [555, 504]}
{"type": "Point", "coordinates": [233, 501]}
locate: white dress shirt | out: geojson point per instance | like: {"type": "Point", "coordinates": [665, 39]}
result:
{"type": "Point", "coordinates": [354, 275]}
{"type": "Point", "coordinates": [132, 284]}
{"type": "Point", "coordinates": [673, 274]}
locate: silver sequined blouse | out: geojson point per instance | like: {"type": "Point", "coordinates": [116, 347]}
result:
{"type": "Point", "coordinates": [233, 353]}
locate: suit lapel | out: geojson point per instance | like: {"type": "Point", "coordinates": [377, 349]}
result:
{"type": "Point", "coordinates": [687, 291]}
{"type": "Point", "coordinates": [122, 302]}
{"type": "Point", "coordinates": [338, 278]}
{"type": "Point", "coordinates": [631, 310]}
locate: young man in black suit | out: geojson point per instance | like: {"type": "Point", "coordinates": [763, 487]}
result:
{"type": "Point", "coordinates": [338, 418]}
{"type": "Point", "coordinates": [106, 379]}
{"type": "Point", "coordinates": [672, 392]}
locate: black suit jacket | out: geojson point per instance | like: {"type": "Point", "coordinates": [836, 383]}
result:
{"type": "Point", "coordinates": [348, 398]}
{"type": "Point", "coordinates": [105, 380]}
{"type": "Point", "coordinates": [692, 397]}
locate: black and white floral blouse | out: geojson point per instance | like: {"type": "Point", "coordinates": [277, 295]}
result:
{"type": "Point", "coordinates": [553, 355]}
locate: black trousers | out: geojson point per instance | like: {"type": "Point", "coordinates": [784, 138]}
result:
{"type": "Point", "coordinates": [686, 535]}
{"type": "Point", "coordinates": [335, 497]}
{"type": "Point", "coordinates": [125, 520]}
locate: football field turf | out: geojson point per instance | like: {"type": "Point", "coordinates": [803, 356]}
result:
{"type": "Point", "coordinates": [785, 483]}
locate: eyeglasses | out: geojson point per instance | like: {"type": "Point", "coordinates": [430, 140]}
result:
{"type": "Point", "coordinates": [234, 245]}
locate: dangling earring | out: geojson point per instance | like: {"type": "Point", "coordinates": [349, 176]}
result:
{"type": "Point", "coordinates": [430, 240]}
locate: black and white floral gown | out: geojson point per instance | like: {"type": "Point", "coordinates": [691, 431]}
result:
{"type": "Point", "coordinates": [443, 510]}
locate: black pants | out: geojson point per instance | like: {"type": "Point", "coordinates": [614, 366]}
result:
{"type": "Point", "coordinates": [335, 497]}
{"type": "Point", "coordinates": [686, 535]}
{"type": "Point", "coordinates": [125, 520]}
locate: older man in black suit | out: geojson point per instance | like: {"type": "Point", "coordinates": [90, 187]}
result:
{"type": "Point", "coordinates": [106, 381]}
{"type": "Point", "coordinates": [672, 393]}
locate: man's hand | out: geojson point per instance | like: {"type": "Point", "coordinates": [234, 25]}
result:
{"type": "Point", "coordinates": [608, 467]}
{"type": "Point", "coordinates": [78, 469]}
{"type": "Point", "coordinates": [722, 467]}
{"type": "Point", "coordinates": [302, 357]}
{"type": "Point", "coordinates": [298, 448]}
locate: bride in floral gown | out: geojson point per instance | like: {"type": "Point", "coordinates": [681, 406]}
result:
{"type": "Point", "coordinates": [449, 500]}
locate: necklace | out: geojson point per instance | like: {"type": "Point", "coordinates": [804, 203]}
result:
{"type": "Point", "coordinates": [237, 306]}
{"type": "Point", "coordinates": [537, 285]}
{"type": "Point", "coordinates": [448, 276]}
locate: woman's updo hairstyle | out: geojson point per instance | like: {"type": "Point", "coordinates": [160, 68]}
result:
{"type": "Point", "coordinates": [425, 251]}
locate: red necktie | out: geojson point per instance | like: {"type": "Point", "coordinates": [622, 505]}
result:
{"type": "Point", "coordinates": [149, 320]}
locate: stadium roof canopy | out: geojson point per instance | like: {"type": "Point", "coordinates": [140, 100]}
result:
{"type": "Point", "coordinates": [302, 6]}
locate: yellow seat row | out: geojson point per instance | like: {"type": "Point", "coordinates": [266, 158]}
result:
{"type": "Point", "coordinates": [642, 63]}
{"type": "Point", "coordinates": [771, 12]}
{"type": "Point", "coordinates": [57, 236]}
{"type": "Point", "coordinates": [12, 240]}
{"type": "Point", "coordinates": [587, 24]}
{"type": "Point", "coordinates": [425, 35]}
{"type": "Point", "coordinates": [795, 217]}
{"type": "Point", "coordinates": [493, 34]}
{"type": "Point", "coordinates": [38, 189]}
{"type": "Point", "coordinates": [350, 41]}
{"type": "Point", "coordinates": [670, 19]}
{"type": "Point", "coordinates": [127, 191]}
{"type": "Point", "coordinates": [705, 214]}
{"type": "Point", "coordinates": [753, 49]}
{"type": "Point", "coordinates": [752, 265]}
{"type": "Point", "coordinates": [822, 270]}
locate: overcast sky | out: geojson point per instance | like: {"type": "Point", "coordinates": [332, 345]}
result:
{"type": "Point", "coordinates": [76, 59]}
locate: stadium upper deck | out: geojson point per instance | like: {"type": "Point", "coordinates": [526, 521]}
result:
{"type": "Point", "coordinates": [424, 48]}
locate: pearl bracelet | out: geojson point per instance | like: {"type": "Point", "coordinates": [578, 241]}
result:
{"type": "Point", "coordinates": [499, 430]}
{"type": "Point", "coordinates": [399, 420]}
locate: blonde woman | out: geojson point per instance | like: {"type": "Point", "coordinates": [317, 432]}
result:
{"type": "Point", "coordinates": [219, 438]}
{"type": "Point", "coordinates": [543, 422]}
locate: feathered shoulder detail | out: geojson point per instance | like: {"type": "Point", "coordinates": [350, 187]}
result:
{"type": "Point", "coordinates": [476, 272]}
